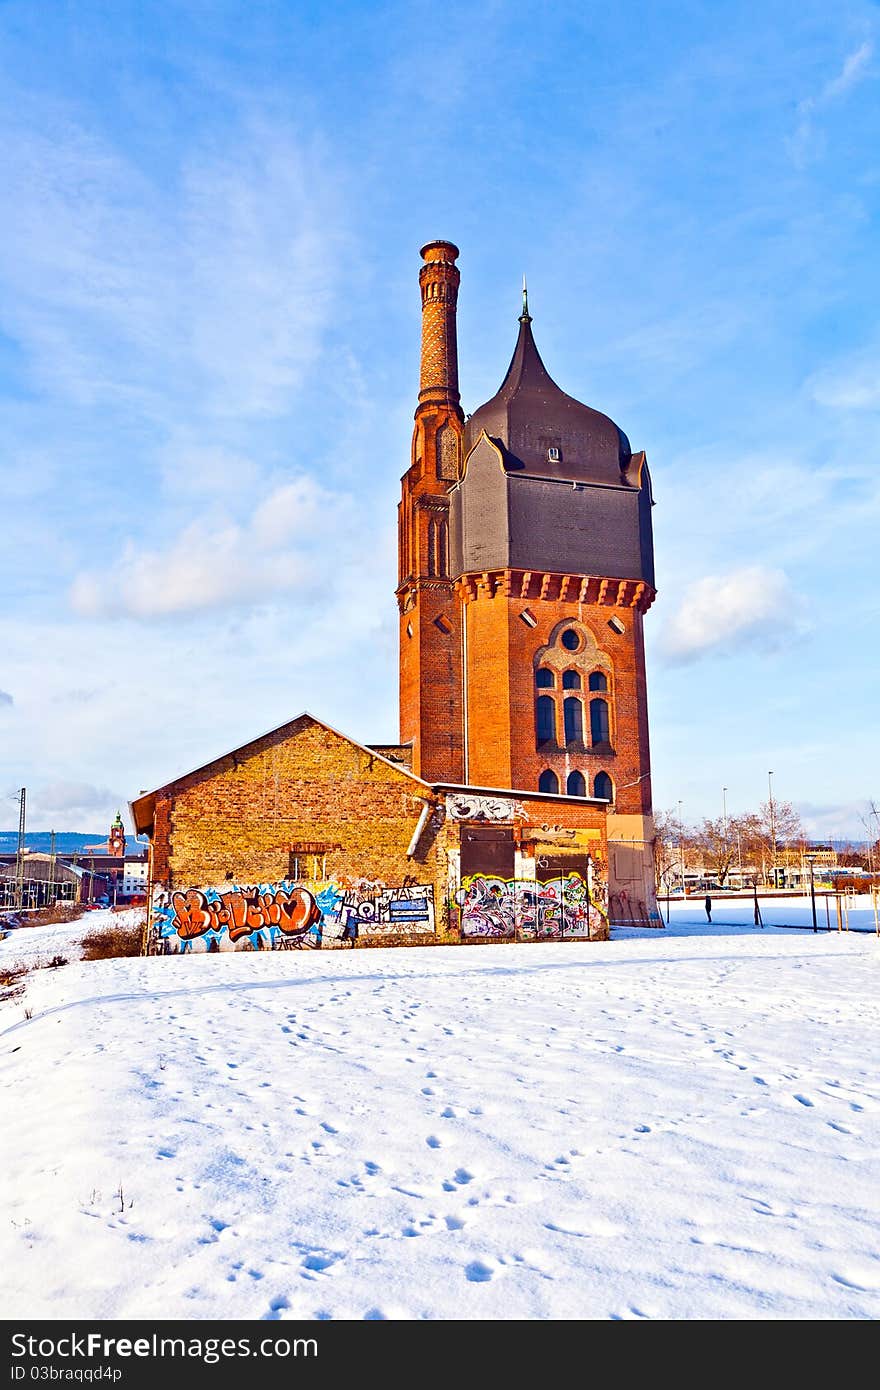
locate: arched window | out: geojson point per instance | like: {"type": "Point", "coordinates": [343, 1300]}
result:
{"type": "Point", "coordinates": [548, 781]}
{"type": "Point", "coordinates": [432, 547]}
{"type": "Point", "coordinates": [602, 787]}
{"type": "Point", "coordinates": [545, 719]}
{"type": "Point", "coordinates": [576, 786]}
{"type": "Point", "coordinates": [598, 680]}
{"type": "Point", "coordinates": [544, 678]}
{"type": "Point", "coordinates": [599, 726]}
{"type": "Point", "coordinates": [571, 680]}
{"type": "Point", "coordinates": [574, 720]}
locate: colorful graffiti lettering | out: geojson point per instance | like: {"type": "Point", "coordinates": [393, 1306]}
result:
{"type": "Point", "coordinates": [524, 909]}
{"type": "Point", "coordinates": [285, 916]}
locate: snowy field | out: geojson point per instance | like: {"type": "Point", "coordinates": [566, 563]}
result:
{"type": "Point", "coordinates": [793, 911]}
{"type": "Point", "coordinates": [678, 1124]}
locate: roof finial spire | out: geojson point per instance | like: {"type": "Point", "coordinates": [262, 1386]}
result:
{"type": "Point", "coordinates": [525, 316]}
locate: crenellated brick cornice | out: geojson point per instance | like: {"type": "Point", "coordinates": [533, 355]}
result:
{"type": "Point", "coordinates": [542, 585]}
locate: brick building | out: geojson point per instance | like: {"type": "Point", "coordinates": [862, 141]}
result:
{"type": "Point", "coordinates": [519, 793]}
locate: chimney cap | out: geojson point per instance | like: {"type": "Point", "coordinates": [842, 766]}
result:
{"type": "Point", "coordinates": [434, 251]}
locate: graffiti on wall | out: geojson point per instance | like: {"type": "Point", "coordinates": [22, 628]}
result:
{"type": "Point", "coordinates": [285, 916]}
{"type": "Point", "coordinates": [524, 909]}
{"type": "Point", "coordinates": [484, 808]}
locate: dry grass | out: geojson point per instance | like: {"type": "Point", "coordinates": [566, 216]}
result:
{"type": "Point", "coordinates": [124, 940]}
{"type": "Point", "coordinates": [11, 979]}
{"type": "Point", "coordinates": [48, 916]}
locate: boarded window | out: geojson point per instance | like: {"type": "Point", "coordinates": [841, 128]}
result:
{"type": "Point", "coordinates": [447, 453]}
{"type": "Point", "coordinates": [487, 849]}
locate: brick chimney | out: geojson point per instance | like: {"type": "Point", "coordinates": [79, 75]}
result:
{"type": "Point", "coordinates": [430, 637]}
{"type": "Point", "coordinates": [439, 279]}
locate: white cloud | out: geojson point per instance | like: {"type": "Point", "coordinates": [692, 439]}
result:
{"type": "Point", "coordinates": [853, 70]}
{"type": "Point", "coordinates": [853, 385]}
{"type": "Point", "coordinates": [752, 606]}
{"type": "Point", "coordinates": [290, 542]}
{"type": "Point", "coordinates": [73, 805]}
{"type": "Point", "coordinates": [807, 141]}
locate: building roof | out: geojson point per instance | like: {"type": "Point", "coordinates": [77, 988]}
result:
{"type": "Point", "coordinates": [530, 415]}
{"type": "Point", "coordinates": [143, 808]}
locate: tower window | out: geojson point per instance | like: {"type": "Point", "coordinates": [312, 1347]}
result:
{"type": "Point", "coordinates": [599, 725]}
{"type": "Point", "coordinates": [548, 781]}
{"type": "Point", "coordinates": [570, 640]}
{"type": "Point", "coordinates": [602, 787]}
{"type": "Point", "coordinates": [554, 454]}
{"type": "Point", "coordinates": [576, 786]}
{"type": "Point", "coordinates": [545, 719]}
{"type": "Point", "coordinates": [544, 678]}
{"type": "Point", "coordinates": [598, 680]}
{"type": "Point", "coordinates": [571, 680]}
{"type": "Point", "coordinates": [574, 720]}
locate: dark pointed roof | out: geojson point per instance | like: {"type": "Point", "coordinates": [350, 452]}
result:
{"type": "Point", "coordinates": [530, 415]}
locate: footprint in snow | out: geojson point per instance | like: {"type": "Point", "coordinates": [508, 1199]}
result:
{"type": "Point", "coordinates": [478, 1272]}
{"type": "Point", "coordinates": [804, 1100]}
{"type": "Point", "coordinates": [276, 1308]}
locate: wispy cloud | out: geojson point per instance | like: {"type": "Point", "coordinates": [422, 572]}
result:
{"type": "Point", "coordinates": [806, 141]}
{"type": "Point", "coordinates": [212, 563]}
{"type": "Point", "coordinates": [5, 698]}
{"type": "Point", "coordinates": [753, 606]}
{"type": "Point", "coordinates": [850, 385]}
{"type": "Point", "coordinates": [211, 286]}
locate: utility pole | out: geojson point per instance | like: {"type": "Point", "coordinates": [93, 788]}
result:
{"type": "Point", "coordinates": [51, 891]}
{"type": "Point", "coordinates": [19, 856]}
{"type": "Point", "coordinates": [681, 848]}
{"type": "Point", "coordinates": [724, 832]}
{"type": "Point", "coordinates": [772, 829]}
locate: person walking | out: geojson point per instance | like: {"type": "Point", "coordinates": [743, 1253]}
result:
{"type": "Point", "coordinates": [708, 908]}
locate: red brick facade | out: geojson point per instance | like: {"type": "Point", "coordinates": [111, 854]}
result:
{"type": "Point", "coordinates": [430, 618]}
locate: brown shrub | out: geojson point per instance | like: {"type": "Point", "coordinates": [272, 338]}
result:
{"type": "Point", "coordinates": [116, 941]}
{"type": "Point", "coordinates": [11, 981]}
{"type": "Point", "coordinates": [60, 912]}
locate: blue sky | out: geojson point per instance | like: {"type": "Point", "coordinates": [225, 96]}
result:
{"type": "Point", "coordinates": [209, 324]}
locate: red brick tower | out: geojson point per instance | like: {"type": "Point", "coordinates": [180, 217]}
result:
{"type": "Point", "coordinates": [116, 838]}
{"type": "Point", "coordinates": [430, 634]}
{"type": "Point", "coordinates": [526, 568]}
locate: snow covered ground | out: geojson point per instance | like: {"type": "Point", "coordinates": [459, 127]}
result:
{"type": "Point", "coordinates": [34, 947]}
{"type": "Point", "coordinates": [679, 1124]}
